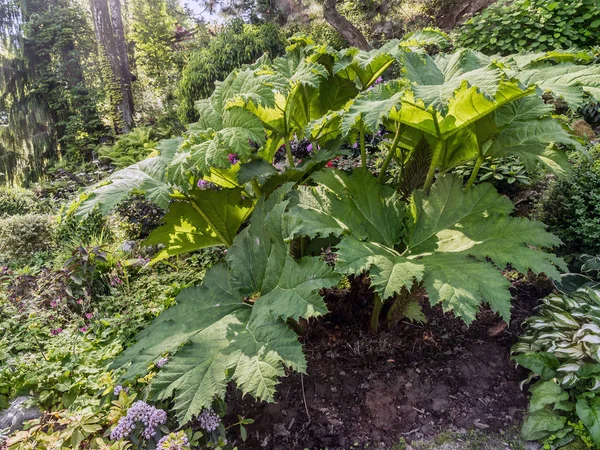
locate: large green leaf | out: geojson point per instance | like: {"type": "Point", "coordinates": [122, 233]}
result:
{"type": "Point", "coordinates": [368, 109]}
{"type": "Point", "coordinates": [528, 132]}
{"type": "Point", "coordinates": [147, 177]}
{"type": "Point", "coordinates": [588, 410]}
{"type": "Point", "coordinates": [197, 308]}
{"type": "Point", "coordinates": [570, 81]}
{"type": "Point", "coordinates": [541, 424]}
{"type": "Point", "coordinates": [233, 327]}
{"type": "Point", "coordinates": [209, 218]}
{"type": "Point", "coordinates": [364, 67]}
{"type": "Point", "coordinates": [354, 204]}
{"type": "Point", "coordinates": [456, 244]}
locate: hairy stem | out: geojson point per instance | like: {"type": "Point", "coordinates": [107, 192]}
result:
{"type": "Point", "coordinates": [435, 160]}
{"type": "Point", "coordinates": [363, 151]}
{"type": "Point", "coordinates": [299, 329]}
{"type": "Point", "coordinates": [376, 312]}
{"type": "Point", "coordinates": [288, 151]}
{"type": "Point", "coordinates": [475, 172]}
{"type": "Point", "coordinates": [390, 155]}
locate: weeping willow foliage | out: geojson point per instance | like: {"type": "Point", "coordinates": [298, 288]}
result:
{"type": "Point", "coordinates": [25, 137]}
{"type": "Point", "coordinates": [46, 106]}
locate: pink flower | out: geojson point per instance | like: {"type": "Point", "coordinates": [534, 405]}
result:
{"type": "Point", "coordinates": [233, 158]}
{"type": "Point", "coordinates": [330, 164]}
{"type": "Point", "coordinates": [83, 329]}
{"type": "Point", "coordinates": [56, 331]}
{"type": "Point", "coordinates": [53, 304]}
{"type": "Point", "coordinates": [79, 301]}
{"type": "Point", "coordinates": [89, 315]}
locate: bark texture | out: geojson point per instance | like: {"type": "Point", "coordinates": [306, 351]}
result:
{"type": "Point", "coordinates": [108, 25]}
{"type": "Point", "coordinates": [343, 26]}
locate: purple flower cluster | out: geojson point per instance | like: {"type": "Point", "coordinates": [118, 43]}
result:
{"type": "Point", "coordinates": [139, 413]}
{"type": "Point", "coordinates": [56, 331]}
{"type": "Point", "coordinates": [233, 158]}
{"type": "Point", "coordinates": [209, 420]}
{"type": "Point", "coordinates": [161, 362]}
{"type": "Point", "coordinates": [118, 389]}
{"type": "Point", "coordinates": [174, 441]}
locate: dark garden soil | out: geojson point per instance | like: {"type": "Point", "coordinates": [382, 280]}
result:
{"type": "Point", "coordinates": [411, 381]}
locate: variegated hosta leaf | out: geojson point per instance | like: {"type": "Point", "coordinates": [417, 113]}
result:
{"type": "Point", "coordinates": [562, 343]}
{"type": "Point", "coordinates": [233, 327]}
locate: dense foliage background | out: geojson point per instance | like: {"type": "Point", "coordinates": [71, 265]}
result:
{"type": "Point", "coordinates": [185, 197]}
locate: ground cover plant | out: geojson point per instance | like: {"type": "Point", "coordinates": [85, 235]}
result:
{"type": "Point", "coordinates": [532, 25]}
{"type": "Point", "coordinates": [241, 324]}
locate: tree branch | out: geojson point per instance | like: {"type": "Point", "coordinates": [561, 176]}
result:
{"type": "Point", "coordinates": [343, 26]}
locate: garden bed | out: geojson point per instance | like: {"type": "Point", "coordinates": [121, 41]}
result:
{"type": "Point", "coordinates": [410, 382]}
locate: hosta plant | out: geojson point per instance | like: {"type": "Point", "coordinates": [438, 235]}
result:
{"type": "Point", "coordinates": [587, 277]}
{"type": "Point", "coordinates": [421, 229]}
{"type": "Point", "coordinates": [561, 347]}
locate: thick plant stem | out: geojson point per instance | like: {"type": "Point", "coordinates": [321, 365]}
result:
{"type": "Point", "coordinates": [299, 329]}
{"type": "Point", "coordinates": [363, 150]}
{"type": "Point", "coordinates": [376, 312]}
{"type": "Point", "coordinates": [437, 155]}
{"type": "Point", "coordinates": [288, 151]}
{"type": "Point", "coordinates": [389, 156]}
{"type": "Point", "coordinates": [475, 172]}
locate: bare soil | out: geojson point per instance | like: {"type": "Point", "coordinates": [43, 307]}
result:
{"type": "Point", "coordinates": [409, 382]}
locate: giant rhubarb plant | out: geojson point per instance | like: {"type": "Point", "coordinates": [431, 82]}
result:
{"type": "Point", "coordinates": [421, 229]}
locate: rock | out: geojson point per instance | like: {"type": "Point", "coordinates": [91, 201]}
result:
{"type": "Point", "coordinates": [532, 445]}
{"type": "Point", "coordinates": [127, 246]}
{"type": "Point", "coordinates": [17, 414]}
{"type": "Point", "coordinates": [583, 129]}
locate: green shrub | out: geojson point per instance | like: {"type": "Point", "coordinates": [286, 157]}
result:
{"type": "Point", "coordinates": [235, 45]}
{"type": "Point", "coordinates": [18, 201]}
{"type": "Point", "coordinates": [560, 347]}
{"type": "Point", "coordinates": [22, 236]}
{"type": "Point", "coordinates": [571, 207]}
{"type": "Point", "coordinates": [83, 231]}
{"type": "Point", "coordinates": [129, 148]}
{"type": "Point", "coordinates": [533, 25]}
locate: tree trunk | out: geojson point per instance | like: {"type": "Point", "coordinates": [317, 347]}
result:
{"type": "Point", "coordinates": [111, 38]}
{"type": "Point", "coordinates": [343, 26]}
